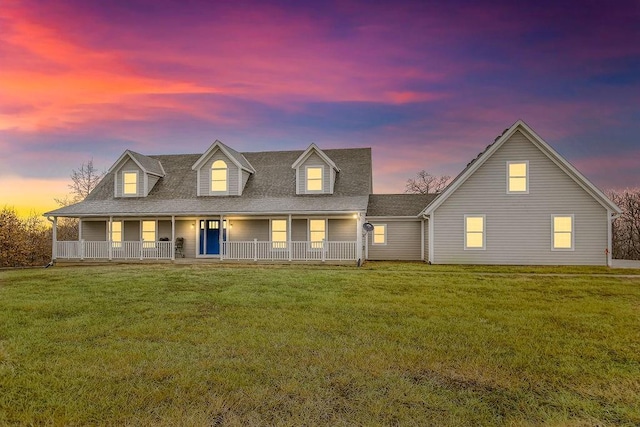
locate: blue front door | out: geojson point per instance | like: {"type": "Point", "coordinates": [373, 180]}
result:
{"type": "Point", "coordinates": [210, 237]}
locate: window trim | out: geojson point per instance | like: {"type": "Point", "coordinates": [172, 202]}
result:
{"type": "Point", "coordinates": [306, 178]}
{"type": "Point", "coordinates": [484, 232]}
{"type": "Point", "coordinates": [148, 244]}
{"type": "Point", "coordinates": [124, 184]}
{"type": "Point", "coordinates": [116, 244]}
{"type": "Point", "coordinates": [553, 232]}
{"type": "Point", "coordinates": [226, 169]}
{"type": "Point", "coordinates": [311, 243]}
{"type": "Point", "coordinates": [279, 245]}
{"type": "Point", "coordinates": [526, 163]}
{"type": "Point", "coordinates": [373, 238]}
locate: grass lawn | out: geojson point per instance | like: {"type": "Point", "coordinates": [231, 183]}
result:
{"type": "Point", "coordinates": [386, 344]}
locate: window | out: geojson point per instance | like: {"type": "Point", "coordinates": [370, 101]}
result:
{"type": "Point", "coordinates": [314, 178]}
{"type": "Point", "coordinates": [380, 234]}
{"type": "Point", "coordinates": [517, 180]}
{"type": "Point", "coordinates": [148, 234]}
{"type": "Point", "coordinates": [562, 232]}
{"type": "Point", "coordinates": [219, 176]}
{"type": "Point", "coordinates": [279, 233]}
{"type": "Point", "coordinates": [474, 231]}
{"type": "Point", "coordinates": [130, 183]}
{"type": "Point", "coordinates": [116, 234]}
{"type": "Point", "coordinates": [317, 232]}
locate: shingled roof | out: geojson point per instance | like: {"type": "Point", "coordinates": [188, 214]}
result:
{"type": "Point", "coordinates": [270, 190]}
{"type": "Point", "coordinates": [398, 204]}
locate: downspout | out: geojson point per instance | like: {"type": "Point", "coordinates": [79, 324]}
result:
{"type": "Point", "coordinates": [54, 239]}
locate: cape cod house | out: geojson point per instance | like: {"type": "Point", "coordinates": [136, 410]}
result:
{"type": "Point", "coordinates": [518, 202]}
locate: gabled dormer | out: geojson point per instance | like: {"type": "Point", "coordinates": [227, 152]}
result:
{"type": "Point", "coordinates": [222, 171]}
{"type": "Point", "coordinates": [135, 174]}
{"type": "Point", "coordinates": [315, 172]}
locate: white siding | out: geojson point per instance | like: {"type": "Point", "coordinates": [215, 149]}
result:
{"type": "Point", "coordinates": [249, 229]}
{"type": "Point", "coordinates": [314, 160]}
{"type": "Point", "coordinates": [518, 226]}
{"type": "Point", "coordinates": [164, 229]}
{"type": "Point", "coordinates": [205, 175]}
{"type": "Point", "coordinates": [245, 178]}
{"type": "Point", "coordinates": [403, 241]}
{"type": "Point", "coordinates": [131, 231]}
{"type": "Point", "coordinates": [187, 230]}
{"type": "Point", "coordinates": [94, 231]}
{"type": "Point", "coordinates": [299, 229]}
{"type": "Point", "coordinates": [342, 230]}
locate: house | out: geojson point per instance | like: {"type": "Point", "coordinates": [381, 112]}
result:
{"type": "Point", "coordinates": [518, 202]}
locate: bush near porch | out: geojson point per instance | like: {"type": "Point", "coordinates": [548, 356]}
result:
{"type": "Point", "coordinates": [389, 343]}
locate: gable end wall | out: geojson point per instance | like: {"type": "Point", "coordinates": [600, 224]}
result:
{"type": "Point", "coordinates": [518, 226]}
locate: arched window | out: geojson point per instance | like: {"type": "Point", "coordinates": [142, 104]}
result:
{"type": "Point", "coordinates": [219, 176]}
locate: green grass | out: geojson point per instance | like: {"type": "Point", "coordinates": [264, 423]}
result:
{"type": "Point", "coordinates": [387, 344]}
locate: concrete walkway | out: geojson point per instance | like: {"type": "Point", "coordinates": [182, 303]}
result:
{"type": "Point", "coordinates": [625, 263]}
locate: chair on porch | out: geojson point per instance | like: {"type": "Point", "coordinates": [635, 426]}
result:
{"type": "Point", "coordinates": [180, 246]}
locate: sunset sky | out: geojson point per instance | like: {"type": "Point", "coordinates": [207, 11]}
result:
{"type": "Point", "coordinates": [426, 84]}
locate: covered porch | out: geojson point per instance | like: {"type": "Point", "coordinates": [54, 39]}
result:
{"type": "Point", "coordinates": [301, 237]}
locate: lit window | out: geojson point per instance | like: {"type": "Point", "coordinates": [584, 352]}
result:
{"type": "Point", "coordinates": [474, 232]}
{"type": "Point", "coordinates": [116, 234]}
{"type": "Point", "coordinates": [317, 232]}
{"type": "Point", "coordinates": [219, 176]}
{"type": "Point", "coordinates": [518, 180]}
{"type": "Point", "coordinates": [563, 232]}
{"type": "Point", "coordinates": [148, 234]}
{"type": "Point", "coordinates": [130, 183]}
{"type": "Point", "coordinates": [314, 178]}
{"type": "Point", "coordinates": [380, 234]}
{"type": "Point", "coordinates": [279, 233]}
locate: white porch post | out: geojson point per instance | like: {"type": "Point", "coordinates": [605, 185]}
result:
{"type": "Point", "coordinates": [80, 239]}
{"type": "Point", "coordinates": [422, 239]}
{"type": "Point", "coordinates": [173, 238]}
{"type": "Point", "coordinates": [359, 237]}
{"type": "Point", "coordinates": [289, 244]}
{"type": "Point", "coordinates": [609, 238]}
{"type": "Point", "coordinates": [110, 237]}
{"type": "Point", "coordinates": [221, 237]}
{"type": "Point", "coordinates": [54, 248]}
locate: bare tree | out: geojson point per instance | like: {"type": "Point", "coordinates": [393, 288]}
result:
{"type": "Point", "coordinates": [83, 180]}
{"type": "Point", "coordinates": [626, 227]}
{"type": "Point", "coordinates": [425, 183]}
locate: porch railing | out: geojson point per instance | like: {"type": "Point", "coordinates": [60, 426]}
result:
{"type": "Point", "coordinates": [118, 250]}
{"type": "Point", "coordinates": [289, 251]}
{"type": "Point", "coordinates": [242, 250]}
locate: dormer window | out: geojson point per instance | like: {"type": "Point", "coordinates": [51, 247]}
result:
{"type": "Point", "coordinates": [314, 178]}
{"type": "Point", "coordinates": [130, 180]}
{"type": "Point", "coordinates": [219, 177]}
{"type": "Point", "coordinates": [518, 177]}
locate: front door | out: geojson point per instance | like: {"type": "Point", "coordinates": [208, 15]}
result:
{"type": "Point", "coordinates": [210, 237]}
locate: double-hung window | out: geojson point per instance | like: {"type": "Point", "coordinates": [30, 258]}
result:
{"type": "Point", "coordinates": [380, 234]}
{"type": "Point", "coordinates": [317, 233]}
{"type": "Point", "coordinates": [314, 179]}
{"type": "Point", "coordinates": [562, 232]}
{"type": "Point", "coordinates": [279, 233]}
{"type": "Point", "coordinates": [518, 177]}
{"type": "Point", "coordinates": [130, 183]}
{"type": "Point", "coordinates": [474, 231]}
{"type": "Point", "coordinates": [148, 234]}
{"type": "Point", "coordinates": [116, 234]}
